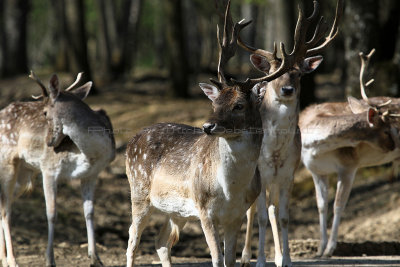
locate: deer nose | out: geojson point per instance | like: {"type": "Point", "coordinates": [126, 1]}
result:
{"type": "Point", "coordinates": [208, 127]}
{"type": "Point", "coordinates": [287, 90]}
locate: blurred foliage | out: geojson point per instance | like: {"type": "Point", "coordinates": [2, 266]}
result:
{"type": "Point", "coordinates": [201, 21]}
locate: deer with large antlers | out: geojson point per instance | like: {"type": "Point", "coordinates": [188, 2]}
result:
{"type": "Point", "coordinates": [188, 173]}
{"type": "Point", "coordinates": [341, 138]}
{"type": "Point", "coordinates": [281, 146]}
{"type": "Point", "coordinates": [59, 137]}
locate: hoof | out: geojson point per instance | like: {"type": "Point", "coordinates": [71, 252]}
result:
{"type": "Point", "coordinates": [96, 262]}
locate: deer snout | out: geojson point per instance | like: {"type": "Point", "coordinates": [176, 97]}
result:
{"type": "Point", "coordinates": [287, 90]}
{"type": "Point", "coordinates": [208, 127]}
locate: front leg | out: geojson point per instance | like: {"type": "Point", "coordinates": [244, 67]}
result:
{"type": "Point", "coordinates": [87, 187]}
{"type": "Point", "coordinates": [230, 238]}
{"type": "Point", "coordinates": [210, 229]}
{"type": "Point", "coordinates": [284, 198]}
{"type": "Point", "coordinates": [246, 253]}
{"type": "Point", "coordinates": [50, 194]}
{"type": "Point", "coordinates": [321, 184]}
{"type": "Point", "coordinates": [262, 226]}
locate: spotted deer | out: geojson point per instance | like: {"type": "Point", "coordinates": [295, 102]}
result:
{"type": "Point", "coordinates": [281, 145]}
{"type": "Point", "coordinates": [187, 173]}
{"type": "Point", "coordinates": [59, 137]}
{"type": "Point", "coordinates": [341, 138]}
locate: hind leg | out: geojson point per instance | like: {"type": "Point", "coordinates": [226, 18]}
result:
{"type": "Point", "coordinates": [169, 236]}
{"type": "Point", "coordinates": [8, 175]}
{"type": "Point", "coordinates": [141, 213]}
{"type": "Point", "coordinates": [88, 187]}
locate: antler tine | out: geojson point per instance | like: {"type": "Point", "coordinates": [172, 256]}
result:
{"type": "Point", "coordinates": [78, 78]}
{"type": "Point", "coordinates": [333, 33]}
{"type": "Point", "coordinates": [268, 55]}
{"type": "Point", "coordinates": [364, 64]}
{"type": "Point", "coordinates": [228, 44]}
{"type": "Point", "coordinates": [33, 76]}
{"type": "Point", "coordinates": [299, 49]}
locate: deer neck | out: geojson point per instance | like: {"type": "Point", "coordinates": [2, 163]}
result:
{"type": "Point", "coordinates": [90, 136]}
{"type": "Point", "coordinates": [238, 160]}
{"type": "Point", "coordinates": [279, 120]}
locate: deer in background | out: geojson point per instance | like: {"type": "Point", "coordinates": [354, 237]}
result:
{"type": "Point", "coordinates": [187, 173]}
{"type": "Point", "coordinates": [341, 138]}
{"type": "Point", "coordinates": [281, 146]}
{"type": "Point", "coordinates": [52, 137]}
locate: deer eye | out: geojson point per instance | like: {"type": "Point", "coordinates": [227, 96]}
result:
{"type": "Point", "coordinates": [238, 107]}
{"type": "Point", "coordinates": [45, 113]}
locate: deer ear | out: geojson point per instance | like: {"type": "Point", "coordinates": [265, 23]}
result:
{"type": "Point", "coordinates": [209, 90]}
{"type": "Point", "coordinates": [372, 116]}
{"type": "Point", "coordinates": [83, 91]}
{"type": "Point", "coordinates": [311, 63]}
{"type": "Point", "coordinates": [258, 90]}
{"type": "Point", "coordinates": [356, 105]}
{"type": "Point", "coordinates": [54, 87]}
{"type": "Point", "coordinates": [259, 62]}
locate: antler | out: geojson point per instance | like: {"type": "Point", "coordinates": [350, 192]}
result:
{"type": "Point", "coordinates": [364, 64]}
{"type": "Point", "coordinates": [228, 44]}
{"type": "Point", "coordinates": [302, 48]}
{"type": "Point", "coordinates": [333, 33]}
{"type": "Point", "coordinates": [33, 76]}
{"type": "Point", "coordinates": [78, 78]}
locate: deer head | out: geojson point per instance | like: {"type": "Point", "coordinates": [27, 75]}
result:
{"type": "Point", "coordinates": [302, 60]}
{"type": "Point", "coordinates": [61, 108]}
{"type": "Point", "coordinates": [235, 105]}
{"type": "Point", "coordinates": [380, 111]}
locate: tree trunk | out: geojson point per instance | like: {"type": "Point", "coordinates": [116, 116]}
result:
{"type": "Point", "coordinates": [131, 19]}
{"type": "Point", "coordinates": [3, 46]}
{"type": "Point", "coordinates": [76, 38]}
{"type": "Point", "coordinates": [280, 22]}
{"type": "Point", "coordinates": [14, 37]}
{"type": "Point", "coordinates": [248, 12]}
{"type": "Point", "coordinates": [361, 30]}
{"type": "Point", "coordinates": [176, 48]}
{"type": "Point", "coordinates": [192, 35]}
{"type": "Point", "coordinates": [59, 35]}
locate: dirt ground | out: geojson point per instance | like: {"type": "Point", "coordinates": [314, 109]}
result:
{"type": "Point", "coordinates": [369, 234]}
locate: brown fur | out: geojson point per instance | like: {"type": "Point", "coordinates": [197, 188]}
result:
{"type": "Point", "coordinates": [167, 163]}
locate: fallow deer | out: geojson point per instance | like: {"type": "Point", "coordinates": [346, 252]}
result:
{"type": "Point", "coordinates": [341, 138]}
{"type": "Point", "coordinates": [187, 173]}
{"type": "Point", "coordinates": [59, 137]}
{"type": "Point", "coordinates": [281, 146]}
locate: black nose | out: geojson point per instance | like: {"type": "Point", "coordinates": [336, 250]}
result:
{"type": "Point", "coordinates": [287, 90]}
{"type": "Point", "coordinates": [207, 127]}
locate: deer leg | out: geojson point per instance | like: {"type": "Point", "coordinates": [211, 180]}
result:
{"type": "Point", "coordinates": [321, 185]}
{"type": "Point", "coordinates": [7, 194]}
{"type": "Point", "coordinates": [395, 170]}
{"type": "Point", "coordinates": [343, 190]}
{"type": "Point", "coordinates": [140, 215]}
{"type": "Point", "coordinates": [246, 253]}
{"type": "Point", "coordinates": [50, 194]}
{"type": "Point", "coordinates": [3, 253]}
{"type": "Point", "coordinates": [230, 240]}
{"type": "Point", "coordinates": [87, 189]}
{"type": "Point", "coordinates": [262, 226]}
{"type": "Point", "coordinates": [284, 197]}
{"type": "Point", "coordinates": [169, 236]}
{"type": "Point", "coordinates": [210, 230]}
{"type": "Point", "coordinates": [273, 215]}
